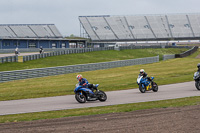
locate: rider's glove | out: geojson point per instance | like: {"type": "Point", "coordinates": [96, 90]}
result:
{"type": "Point", "coordinates": [84, 84]}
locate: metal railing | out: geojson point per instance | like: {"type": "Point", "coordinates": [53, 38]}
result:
{"type": "Point", "coordinates": [184, 54]}
{"type": "Point", "coordinates": [145, 47]}
{"type": "Point", "coordinates": [9, 59]}
{"type": "Point", "coordinates": [166, 57]}
{"type": "Point", "coordinates": [187, 53]}
{"type": "Point", "coordinates": [42, 72]}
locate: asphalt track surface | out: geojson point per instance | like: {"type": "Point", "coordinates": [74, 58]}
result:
{"type": "Point", "coordinates": [171, 91]}
{"type": "Point", "coordinates": [21, 54]}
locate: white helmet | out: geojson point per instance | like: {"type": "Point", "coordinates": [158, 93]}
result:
{"type": "Point", "coordinates": [198, 65]}
{"type": "Point", "coordinates": [141, 70]}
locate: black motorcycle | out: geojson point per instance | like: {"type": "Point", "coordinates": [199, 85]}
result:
{"type": "Point", "coordinates": [197, 80]}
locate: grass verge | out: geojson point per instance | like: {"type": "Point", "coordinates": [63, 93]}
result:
{"type": "Point", "coordinates": [165, 72]}
{"type": "Point", "coordinates": [90, 57]}
{"type": "Point", "coordinates": [101, 110]}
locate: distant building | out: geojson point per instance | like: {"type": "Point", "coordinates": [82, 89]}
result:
{"type": "Point", "coordinates": [34, 36]}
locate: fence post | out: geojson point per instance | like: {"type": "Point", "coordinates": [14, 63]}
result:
{"type": "Point", "coordinates": [16, 58]}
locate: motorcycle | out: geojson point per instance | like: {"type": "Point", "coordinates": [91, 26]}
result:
{"type": "Point", "coordinates": [83, 94]}
{"type": "Point", "coordinates": [146, 85]}
{"type": "Point", "coordinates": [17, 53]}
{"type": "Point", "coordinates": [197, 80]}
{"type": "Point", "coordinates": [41, 51]}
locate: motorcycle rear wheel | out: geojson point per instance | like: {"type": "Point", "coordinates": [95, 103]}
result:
{"type": "Point", "coordinates": [197, 85]}
{"type": "Point", "coordinates": [142, 89]}
{"type": "Point", "coordinates": [102, 96]}
{"type": "Point", "coordinates": [80, 98]}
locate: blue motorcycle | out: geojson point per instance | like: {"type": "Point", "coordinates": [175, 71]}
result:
{"type": "Point", "coordinates": [146, 85]}
{"type": "Point", "coordinates": [83, 94]}
{"type": "Point", "coordinates": [197, 80]}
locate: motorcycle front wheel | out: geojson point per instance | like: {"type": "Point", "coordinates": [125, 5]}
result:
{"type": "Point", "coordinates": [102, 96]}
{"type": "Point", "coordinates": [80, 98]}
{"type": "Point", "coordinates": [155, 87]}
{"type": "Point", "coordinates": [142, 89]}
{"type": "Point", "coordinates": [197, 85]}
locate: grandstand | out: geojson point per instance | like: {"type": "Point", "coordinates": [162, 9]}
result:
{"type": "Point", "coordinates": [29, 31]}
{"type": "Point", "coordinates": [141, 27]}
{"type": "Point", "coordinates": [33, 36]}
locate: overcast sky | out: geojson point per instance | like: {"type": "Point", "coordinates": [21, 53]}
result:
{"type": "Point", "coordinates": [64, 13]}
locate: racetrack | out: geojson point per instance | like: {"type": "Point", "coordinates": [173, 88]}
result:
{"type": "Point", "coordinates": [21, 54]}
{"type": "Point", "coordinates": [171, 91]}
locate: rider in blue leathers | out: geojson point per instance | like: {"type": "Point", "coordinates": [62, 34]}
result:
{"type": "Point", "coordinates": [84, 83]}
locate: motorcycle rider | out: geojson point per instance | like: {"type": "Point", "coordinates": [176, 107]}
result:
{"type": "Point", "coordinates": [16, 51]}
{"type": "Point", "coordinates": [198, 66]}
{"type": "Point", "coordinates": [84, 83]}
{"type": "Point", "coordinates": [41, 50]}
{"type": "Point", "coordinates": [144, 74]}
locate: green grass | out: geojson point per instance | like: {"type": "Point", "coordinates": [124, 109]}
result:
{"type": "Point", "coordinates": [91, 57]}
{"type": "Point", "coordinates": [101, 110]}
{"type": "Point", "coordinates": [165, 72]}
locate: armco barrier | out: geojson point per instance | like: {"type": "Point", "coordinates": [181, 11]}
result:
{"type": "Point", "coordinates": [184, 54]}
{"type": "Point", "coordinates": [9, 59]}
{"type": "Point", "coordinates": [42, 72]}
{"type": "Point", "coordinates": [62, 52]}
{"type": "Point", "coordinates": [145, 47]}
{"type": "Point", "coordinates": [137, 47]}
{"type": "Point", "coordinates": [166, 57]}
{"type": "Point", "coordinates": [187, 53]}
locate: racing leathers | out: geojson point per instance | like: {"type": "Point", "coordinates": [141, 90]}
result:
{"type": "Point", "coordinates": [84, 83]}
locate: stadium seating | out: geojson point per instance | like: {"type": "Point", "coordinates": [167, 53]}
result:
{"type": "Point", "coordinates": [141, 27]}
{"type": "Point", "coordinates": [195, 23]}
{"type": "Point", "coordinates": [29, 31]}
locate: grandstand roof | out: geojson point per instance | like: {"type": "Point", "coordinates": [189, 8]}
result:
{"type": "Point", "coordinates": [13, 31]}
{"type": "Point", "coordinates": [142, 27]}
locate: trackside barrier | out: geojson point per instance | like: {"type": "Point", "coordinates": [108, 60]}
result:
{"type": "Point", "coordinates": [145, 47]}
{"type": "Point", "coordinates": [63, 52]}
{"type": "Point", "coordinates": [42, 72]}
{"type": "Point", "coordinates": [184, 54]}
{"type": "Point", "coordinates": [187, 53]}
{"type": "Point", "coordinates": [166, 57]}
{"type": "Point", "coordinates": [9, 59]}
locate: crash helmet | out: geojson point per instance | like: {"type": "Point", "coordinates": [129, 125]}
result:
{"type": "Point", "coordinates": [198, 65]}
{"type": "Point", "coordinates": [141, 71]}
{"type": "Point", "coordinates": [79, 77]}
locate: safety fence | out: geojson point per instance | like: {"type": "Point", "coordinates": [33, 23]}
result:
{"type": "Point", "coordinates": [63, 52]}
{"type": "Point", "coordinates": [42, 72]}
{"type": "Point", "coordinates": [166, 57]}
{"type": "Point", "coordinates": [184, 54]}
{"type": "Point", "coordinates": [9, 59]}
{"type": "Point", "coordinates": [145, 47]}
{"type": "Point", "coordinates": [187, 53]}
